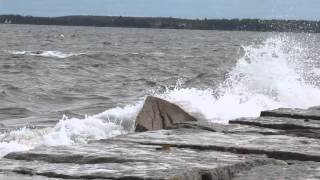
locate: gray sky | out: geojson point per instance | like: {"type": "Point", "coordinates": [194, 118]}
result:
{"type": "Point", "coordinates": [266, 9]}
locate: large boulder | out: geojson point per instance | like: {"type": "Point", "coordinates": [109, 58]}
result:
{"type": "Point", "coordinates": [158, 114]}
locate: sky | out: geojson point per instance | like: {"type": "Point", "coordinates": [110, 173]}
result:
{"type": "Point", "coordinates": [192, 9]}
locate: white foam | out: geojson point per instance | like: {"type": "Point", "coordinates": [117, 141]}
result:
{"type": "Point", "coordinates": [65, 132]}
{"type": "Point", "coordinates": [72, 131]}
{"type": "Point", "coordinates": [19, 140]}
{"type": "Point", "coordinates": [54, 54]}
{"type": "Point", "coordinates": [268, 76]}
{"type": "Point", "coordinates": [12, 146]}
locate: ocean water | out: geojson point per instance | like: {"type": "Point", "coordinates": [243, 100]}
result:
{"type": "Point", "coordinates": [69, 85]}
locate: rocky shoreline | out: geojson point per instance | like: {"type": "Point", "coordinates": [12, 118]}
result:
{"type": "Point", "coordinates": [171, 144]}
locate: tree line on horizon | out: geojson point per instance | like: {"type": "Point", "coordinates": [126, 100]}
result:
{"type": "Point", "coordinates": [170, 23]}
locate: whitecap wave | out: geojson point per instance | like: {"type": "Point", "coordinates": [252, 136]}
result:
{"type": "Point", "coordinates": [54, 54]}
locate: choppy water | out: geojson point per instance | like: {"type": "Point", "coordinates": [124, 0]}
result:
{"type": "Point", "coordinates": [68, 85]}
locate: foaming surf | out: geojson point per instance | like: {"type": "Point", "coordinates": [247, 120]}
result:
{"type": "Point", "coordinates": [270, 75]}
{"type": "Point", "coordinates": [69, 131]}
{"type": "Point", "coordinates": [54, 54]}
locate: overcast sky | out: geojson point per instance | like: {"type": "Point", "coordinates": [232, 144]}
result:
{"type": "Point", "coordinates": [266, 9]}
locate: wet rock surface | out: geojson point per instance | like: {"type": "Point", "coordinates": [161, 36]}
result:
{"type": "Point", "coordinates": [268, 147]}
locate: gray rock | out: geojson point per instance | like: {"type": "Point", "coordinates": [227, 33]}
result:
{"type": "Point", "coordinates": [230, 128]}
{"type": "Point", "coordinates": [310, 133]}
{"type": "Point", "coordinates": [192, 153]}
{"type": "Point", "coordinates": [158, 114]}
{"type": "Point", "coordinates": [281, 147]}
{"type": "Point", "coordinates": [291, 171]}
{"type": "Point", "coordinates": [293, 113]}
{"type": "Point", "coordinates": [286, 126]}
{"type": "Point", "coordinates": [114, 159]}
{"type": "Point", "coordinates": [278, 123]}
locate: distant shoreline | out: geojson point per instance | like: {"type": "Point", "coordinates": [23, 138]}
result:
{"type": "Point", "coordinates": [170, 23]}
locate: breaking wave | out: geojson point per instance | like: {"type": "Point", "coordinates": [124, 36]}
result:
{"type": "Point", "coordinates": [270, 75]}
{"type": "Point", "coordinates": [54, 54]}
{"type": "Point", "coordinates": [273, 74]}
{"type": "Point", "coordinates": [69, 131]}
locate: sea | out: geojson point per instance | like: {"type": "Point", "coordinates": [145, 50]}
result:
{"type": "Point", "coordinates": [64, 86]}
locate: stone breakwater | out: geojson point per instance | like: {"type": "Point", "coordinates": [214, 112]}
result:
{"type": "Point", "coordinates": [171, 144]}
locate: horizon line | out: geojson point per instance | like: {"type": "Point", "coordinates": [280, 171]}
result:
{"type": "Point", "coordinates": [203, 18]}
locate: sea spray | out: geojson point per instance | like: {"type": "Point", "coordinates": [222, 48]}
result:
{"type": "Point", "coordinates": [71, 131]}
{"type": "Point", "coordinates": [268, 76]}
